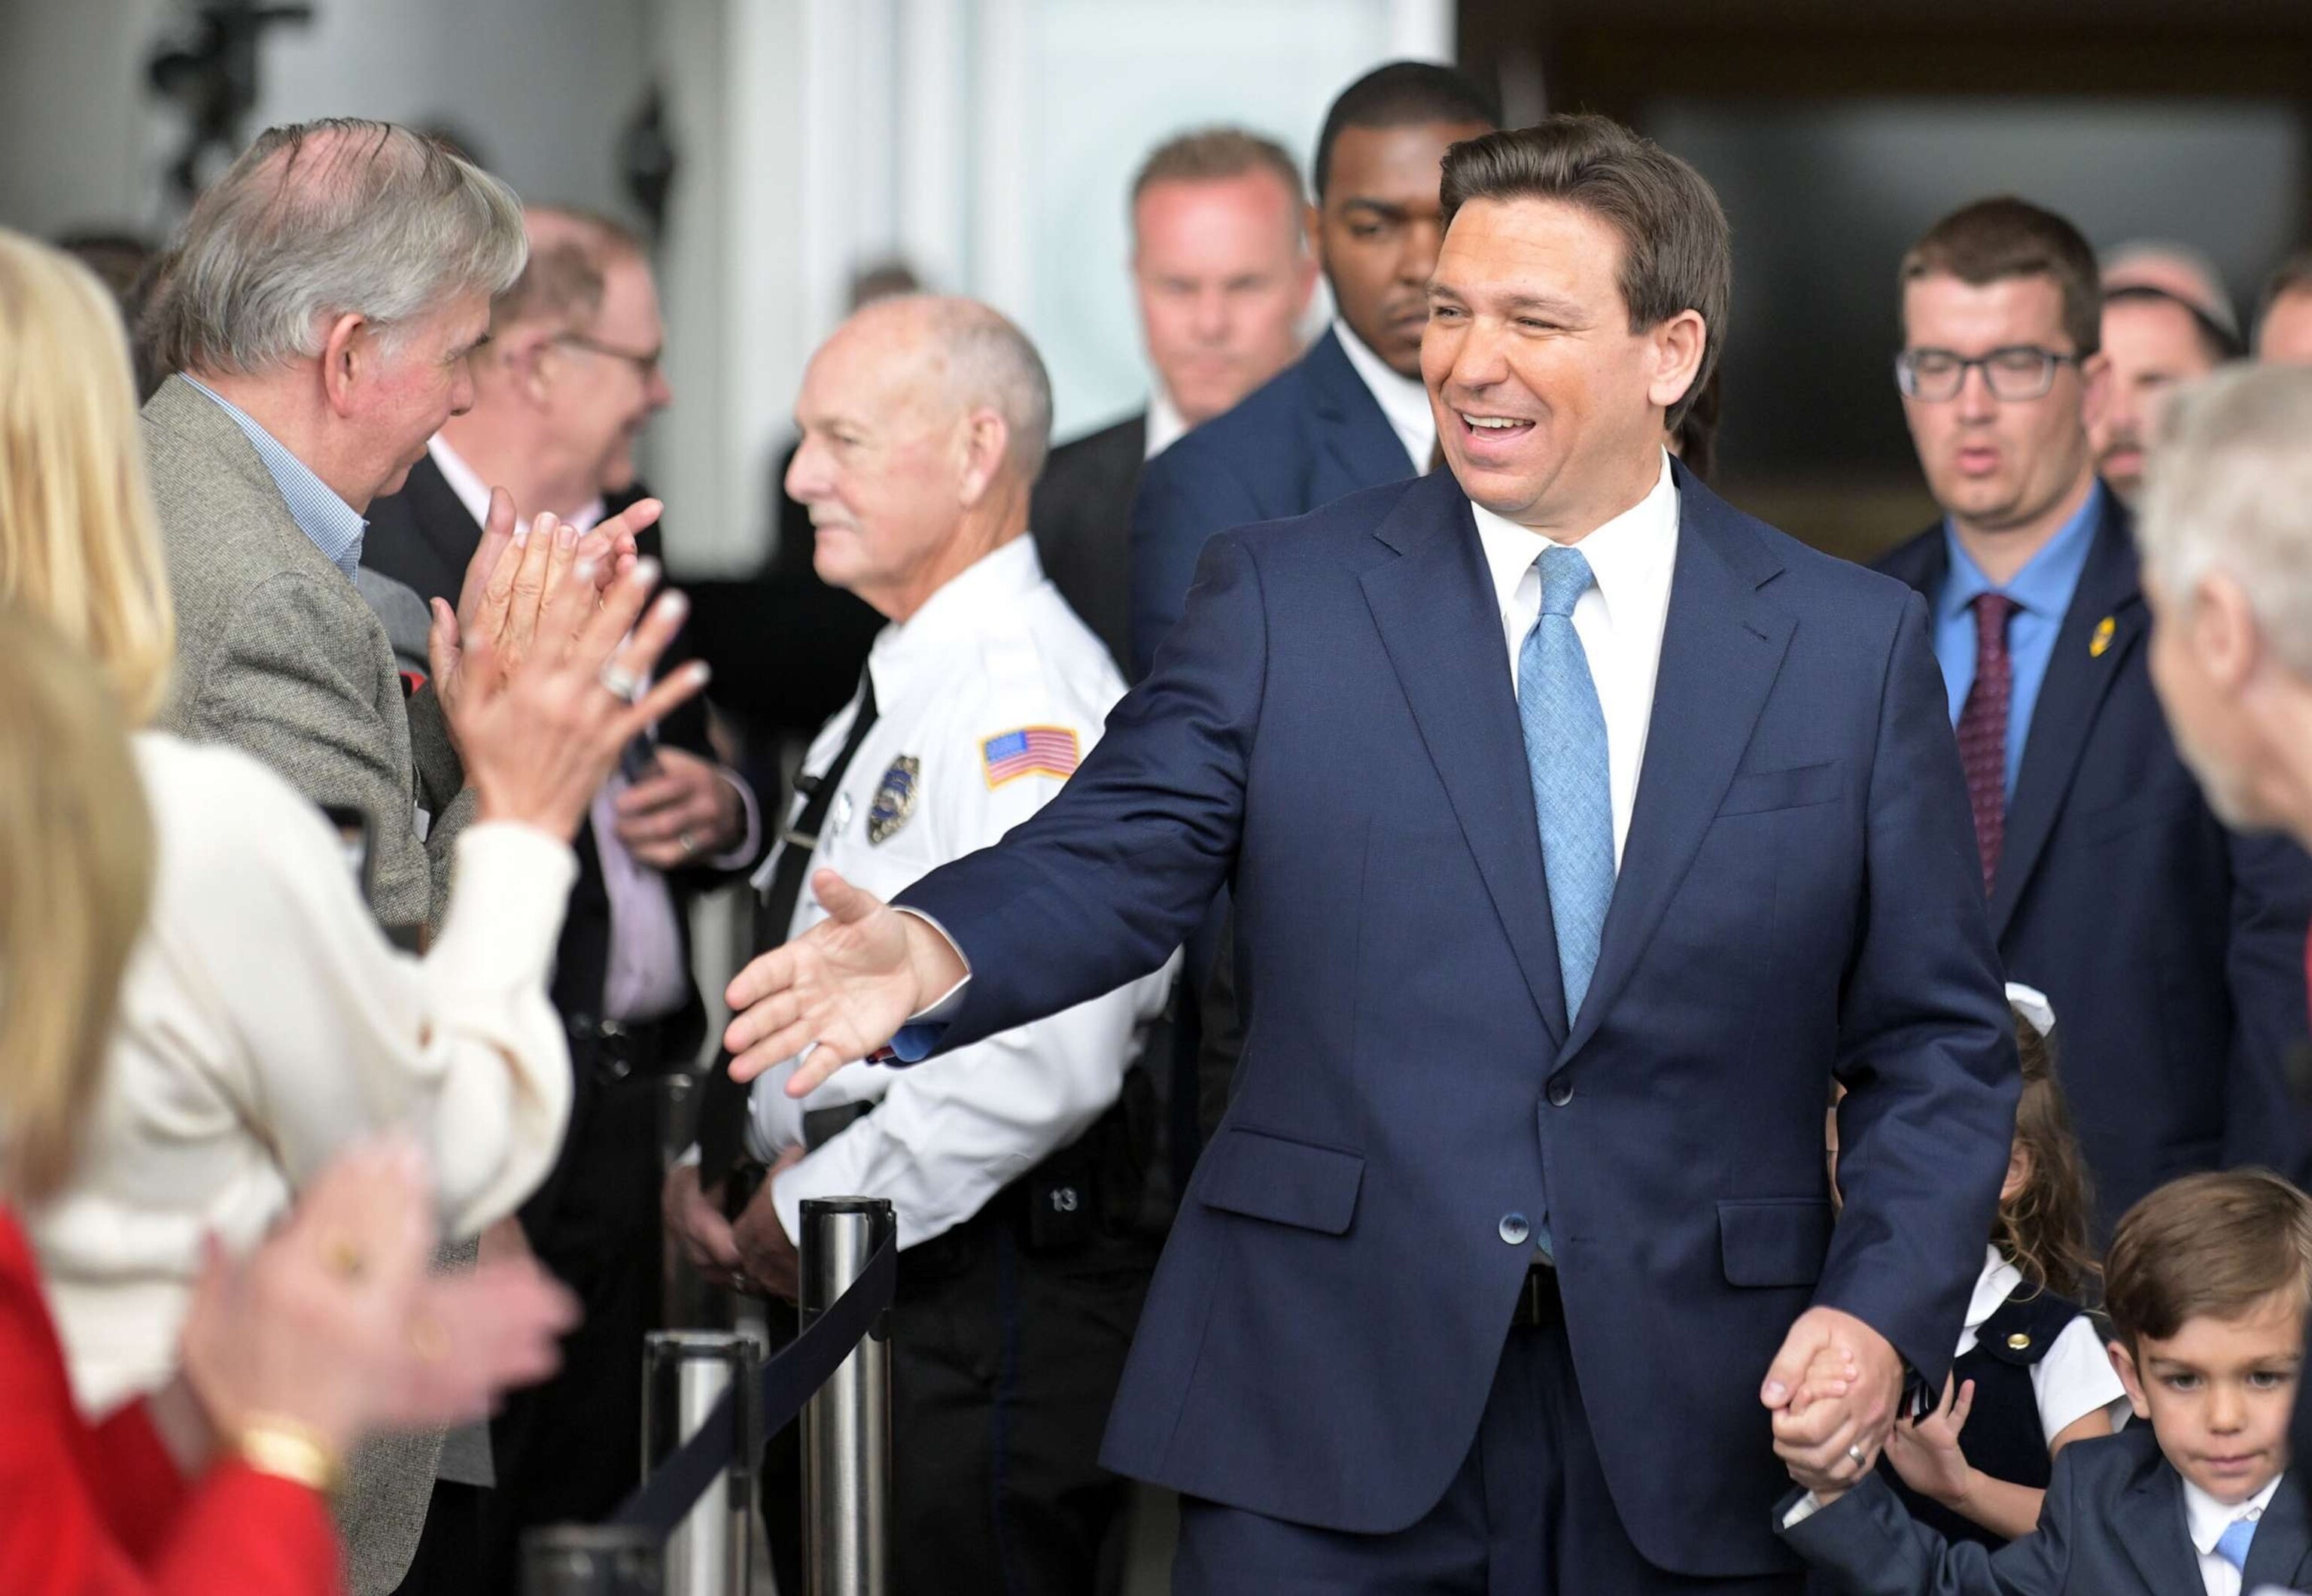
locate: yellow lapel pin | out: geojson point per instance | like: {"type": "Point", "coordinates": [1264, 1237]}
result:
{"type": "Point", "coordinates": [2101, 641]}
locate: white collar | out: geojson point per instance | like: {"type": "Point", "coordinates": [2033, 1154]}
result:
{"type": "Point", "coordinates": [1166, 424]}
{"type": "Point", "coordinates": [1992, 1288]}
{"type": "Point", "coordinates": [982, 596]}
{"type": "Point", "coordinates": [1404, 400]}
{"type": "Point", "coordinates": [474, 493]}
{"type": "Point", "coordinates": [1630, 555]}
{"type": "Point", "coordinates": [2209, 1518]}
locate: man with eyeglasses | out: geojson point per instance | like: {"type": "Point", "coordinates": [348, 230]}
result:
{"type": "Point", "coordinates": [2169, 949]}
{"type": "Point", "coordinates": [563, 386]}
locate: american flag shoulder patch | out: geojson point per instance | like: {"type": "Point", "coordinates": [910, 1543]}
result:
{"type": "Point", "coordinates": [1031, 751]}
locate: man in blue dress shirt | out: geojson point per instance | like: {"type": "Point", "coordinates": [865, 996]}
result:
{"type": "Point", "coordinates": [2170, 948]}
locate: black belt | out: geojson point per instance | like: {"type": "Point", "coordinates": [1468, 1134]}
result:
{"type": "Point", "coordinates": [1538, 1304]}
{"type": "Point", "coordinates": [616, 1049]}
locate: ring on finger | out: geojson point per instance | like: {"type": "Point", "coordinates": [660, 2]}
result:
{"type": "Point", "coordinates": [688, 843]}
{"type": "Point", "coordinates": [620, 682]}
{"type": "Point", "coordinates": [1854, 1450]}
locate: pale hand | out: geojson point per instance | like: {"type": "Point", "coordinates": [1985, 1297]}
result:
{"type": "Point", "coordinates": [843, 989]}
{"type": "Point", "coordinates": [683, 799]}
{"type": "Point", "coordinates": [1927, 1454]}
{"type": "Point", "coordinates": [1813, 1436]}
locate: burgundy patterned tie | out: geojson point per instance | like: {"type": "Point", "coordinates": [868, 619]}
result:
{"type": "Point", "coordinates": [1983, 728]}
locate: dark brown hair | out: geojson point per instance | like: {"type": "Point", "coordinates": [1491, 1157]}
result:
{"type": "Point", "coordinates": [2214, 1244]}
{"type": "Point", "coordinates": [2043, 1229]}
{"type": "Point", "coordinates": [1214, 155]}
{"type": "Point", "coordinates": [1676, 250]}
{"type": "Point", "coordinates": [1993, 239]}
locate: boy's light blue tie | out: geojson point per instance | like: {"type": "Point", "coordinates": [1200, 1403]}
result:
{"type": "Point", "coordinates": [2232, 1545]}
{"type": "Point", "coordinates": [1565, 754]}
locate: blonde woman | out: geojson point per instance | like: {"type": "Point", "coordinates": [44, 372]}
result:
{"type": "Point", "coordinates": [216, 1485]}
{"type": "Point", "coordinates": [264, 1021]}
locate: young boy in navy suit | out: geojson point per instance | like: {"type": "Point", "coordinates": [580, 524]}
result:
{"type": "Point", "coordinates": [2207, 1284]}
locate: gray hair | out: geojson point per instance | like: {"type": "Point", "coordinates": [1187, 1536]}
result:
{"type": "Point", "coordinates": [2229, 487]}
{"type": "Point", "coordinates": [989, 361]}
{"type": "Point", "coordinates": [325, 218]}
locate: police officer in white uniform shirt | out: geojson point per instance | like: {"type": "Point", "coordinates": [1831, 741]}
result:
{"type": "Point", "coordinates": [924, 422]}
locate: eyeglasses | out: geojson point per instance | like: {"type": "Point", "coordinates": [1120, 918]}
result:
{"type": "Point", "coordinates": [643, 361]}
{"type": "Point", "coordinates": [2020, 371]}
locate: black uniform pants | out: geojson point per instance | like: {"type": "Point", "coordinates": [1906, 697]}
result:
{"type": "Point", "coordinates": [1004, 1360]}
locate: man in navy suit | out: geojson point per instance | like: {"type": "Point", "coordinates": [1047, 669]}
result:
{"type": "Point", "coordinates": [1581, 829]}
{"type": "Point", "coordinates": [1351, 413]}
{"type": "Point", "coordinates": [2171, 949]}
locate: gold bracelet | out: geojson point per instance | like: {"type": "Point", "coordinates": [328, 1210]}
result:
{"type": "Point", "coordinates": [287, 1450]}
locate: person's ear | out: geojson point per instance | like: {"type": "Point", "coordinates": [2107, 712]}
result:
{"type": "Point", "coordinates": [2018, 1174]}
{"type": "Point", "coordinates": [2122, 1364]}
{"type": "Point", "coordinates": [2096, 386]}
{"type": "Point", "coordinates": [986, 441]}
{"type": "Point", "coordinates": [349, 357]}
{"type": "Point", "coordinates": [2221, 627]}
{"type": "Point", "coordinates": [1677, 345]}
{"type": "Point", "coordinates": [530, 357]}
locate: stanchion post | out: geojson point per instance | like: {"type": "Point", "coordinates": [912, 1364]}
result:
{"type": "Point", "coordinates": [847, 1426]}
{"type": "Point", "coordinates": [685, 1373]}
{"type": "Point", "coordinates": [590, 1560]}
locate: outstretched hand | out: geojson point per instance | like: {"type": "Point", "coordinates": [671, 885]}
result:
{"type": "Point", "coordinates": [838, 991]}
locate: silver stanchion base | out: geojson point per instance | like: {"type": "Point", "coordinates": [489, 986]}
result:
{"type": "Point", "coordinates": [590, 1560]}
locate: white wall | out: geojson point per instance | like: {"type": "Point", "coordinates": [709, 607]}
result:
{"type": "Point", "coordinates": [77, 146]}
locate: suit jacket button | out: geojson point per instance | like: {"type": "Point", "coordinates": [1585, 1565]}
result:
{"type": "Point", "coordinates": [1515, 1231]}
{"type": "Point", "coordinates": [1560, 1092]}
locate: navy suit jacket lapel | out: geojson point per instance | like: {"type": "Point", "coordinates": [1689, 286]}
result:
{"type": "Point", "coordinates": [1722, 646]}
{"type": "Point", "coordinates": [1357, 448]}
{"type": "Point", "coordinates": [2282, 1547]}
{"type": "Point", "coordinates": [1440, 623]}
{"type": "Point", "coordinates": [2154, 1532]}
{"type": "Point", "coordinates": [2078, 677]}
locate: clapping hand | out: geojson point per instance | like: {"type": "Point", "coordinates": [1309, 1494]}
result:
{"type": "Point", "coordinates": [838, 991]}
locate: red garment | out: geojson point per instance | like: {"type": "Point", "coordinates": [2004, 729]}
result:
{"type": "Point", "coordinates": [102, 1511]}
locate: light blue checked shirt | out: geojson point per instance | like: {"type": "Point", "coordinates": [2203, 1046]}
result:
{"type": "Point", "coordinates": [328, 520]}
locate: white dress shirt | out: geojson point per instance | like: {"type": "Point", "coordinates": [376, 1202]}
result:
{"type": "Point", "coordinates": [994, 651]}
{"type": "Point", "coordinates": [1165, 424]}
{"type": "Point", "coordinates": [2074, 1377]}
{"type": "Point", "coordinates": [1619, 620]}
{"type": "Point", "coordinates": [265, 1022]}
{"type": "Point", "coordinates": [1403, 400]}
{"type": "Point", "coordinates": [2207, 1520]}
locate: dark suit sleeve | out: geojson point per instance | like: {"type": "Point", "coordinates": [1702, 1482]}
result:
{"type": "Point", "coordinates": [2272, 900]}
{"type": "Point", "coordinates": [1183, 499]}
{"type": "Point", "coordinates": [1105, 881]}
{"type": "Point", "coordinates": [1926, 1050]}
{"type": "Point", "coordinates": [1869, 1545]}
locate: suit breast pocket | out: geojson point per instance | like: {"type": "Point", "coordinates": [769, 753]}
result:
{"type": "Point", "coordinates": [1757, 792]}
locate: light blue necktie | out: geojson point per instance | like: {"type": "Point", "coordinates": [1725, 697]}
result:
{"type": "Point", "coordinates": [2232, 1545]}
{"type": "Point", "coordinates": [1565, 754]}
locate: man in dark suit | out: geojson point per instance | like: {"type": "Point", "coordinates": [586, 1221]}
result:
{"type": "Point", "coordinates": [1222, 275]}
{"type": "Point", "coordinates": [1351, 413]}
{"type": "Point", "coordinates": [1581, 829]}
{"type": "Point", "coordinates": [566, 382]}
{"type": "Point", "coordinates": [2171, 949]}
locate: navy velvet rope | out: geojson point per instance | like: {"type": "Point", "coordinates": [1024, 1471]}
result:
{"type": "Point", "coordinates": [659, 1502]}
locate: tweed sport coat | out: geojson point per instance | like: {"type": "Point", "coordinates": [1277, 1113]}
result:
{"type": "Point", "coordinates": [278, 654]}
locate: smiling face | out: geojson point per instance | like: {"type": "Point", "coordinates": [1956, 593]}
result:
{"type": "Point", "coordinates": [607, 387]}
{"type": "Point", "coordinates": [2218, 1394]}
{"type": "Point", "coordinates": [1549, 407]}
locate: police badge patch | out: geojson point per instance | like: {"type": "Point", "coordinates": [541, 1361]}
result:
{"type": "Point", "coordinates": [895, 798]}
